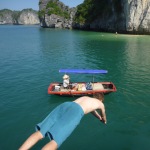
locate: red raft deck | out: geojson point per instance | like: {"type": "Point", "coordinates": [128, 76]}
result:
{"type": "Point", "coordinates": [80, 89]}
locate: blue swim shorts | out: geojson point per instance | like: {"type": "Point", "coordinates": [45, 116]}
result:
{"type": "Point", "coordinates": [61, 122]}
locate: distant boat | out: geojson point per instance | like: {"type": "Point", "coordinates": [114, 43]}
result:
{"type": "Point", "coordinates": [82, 88]}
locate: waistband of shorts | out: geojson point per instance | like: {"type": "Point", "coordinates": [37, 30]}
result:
{"type": "Point", "coordinates": [82, 112]}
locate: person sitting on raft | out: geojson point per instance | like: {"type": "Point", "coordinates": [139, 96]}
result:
{"type": "Point", "coordinates": [66, 81]}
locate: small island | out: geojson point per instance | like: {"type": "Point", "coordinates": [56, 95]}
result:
{"type": "Point", "coordinates": [24, 17]}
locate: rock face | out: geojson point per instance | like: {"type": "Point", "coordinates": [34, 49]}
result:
{"type": "Point", "coordinates": [6, 16]}
{"type": "Point", "coordinates": [137, 14]}
{"type": "Point", "coordinates": [54, 20]}
{"type": "Point", "coordinates": [26, 17]}
{"type": "Point", "coordinates": [124, 16]}
{"type": "Point", "coordinates": [133, 17]}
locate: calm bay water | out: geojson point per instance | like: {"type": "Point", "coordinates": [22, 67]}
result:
{"type": "Point", "coordinates": [30, 58]}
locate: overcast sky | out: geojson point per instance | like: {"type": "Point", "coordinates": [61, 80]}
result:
{"type": "Point", "coordinates": [22, 4]}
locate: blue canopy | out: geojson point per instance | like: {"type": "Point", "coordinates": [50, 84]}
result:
{"type": "Point", "coordinates": [83, 71]}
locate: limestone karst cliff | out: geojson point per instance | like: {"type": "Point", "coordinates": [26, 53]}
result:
{"type": "Point", "coordinates": [124, 16]}
{"type": "Point", "coordinates": [6, 16]}
{"type": "Point", "coordinates": [137, 14]}
{"type": "Point", "coordinates": [55, 14]}
{"type": "Point", "coordinates": [26, 17]}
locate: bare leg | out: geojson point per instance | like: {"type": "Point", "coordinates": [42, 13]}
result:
{"type": "Point", "coordinates": [52, 145]}
{"type": "Point", "coordinates": [33, 139]}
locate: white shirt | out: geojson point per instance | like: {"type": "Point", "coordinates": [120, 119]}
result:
{"type": "Point", "coordinates": [65, 83]}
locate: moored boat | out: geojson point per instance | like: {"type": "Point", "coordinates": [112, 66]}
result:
{"type": "Point", "coordinates": [81, 88]}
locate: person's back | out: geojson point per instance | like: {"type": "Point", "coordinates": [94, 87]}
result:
{"type": "Point", "coordinates": [89, 104]}
{"type": "Point", "coordinates": [92, 104]}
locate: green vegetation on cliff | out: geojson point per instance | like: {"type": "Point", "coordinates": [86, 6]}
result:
{"type": "Point", "coordinates": [41, 13]}
{"type": "Point", "coordinates": [16, 15]}
{"type": "Point", "coordinates": [53, 8]}
{"type": "Point", "coordinates": [91, 9]}
{"type": "Point", "coordinates": [5, 11]}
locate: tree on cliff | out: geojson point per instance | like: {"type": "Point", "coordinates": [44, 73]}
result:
{"type": "Point", "coordinates": [91, 9]}
{"type": "Point", "coordinates": [52, 7]}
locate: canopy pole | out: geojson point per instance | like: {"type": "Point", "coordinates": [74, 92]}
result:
{"type": "Point", "coordinates": [93, 82]}
{"type": "Point", "coordinates": [93, 78]}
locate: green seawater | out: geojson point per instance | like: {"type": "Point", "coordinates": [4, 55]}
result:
{"type": "Point", "coordinates": [30, 58]}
